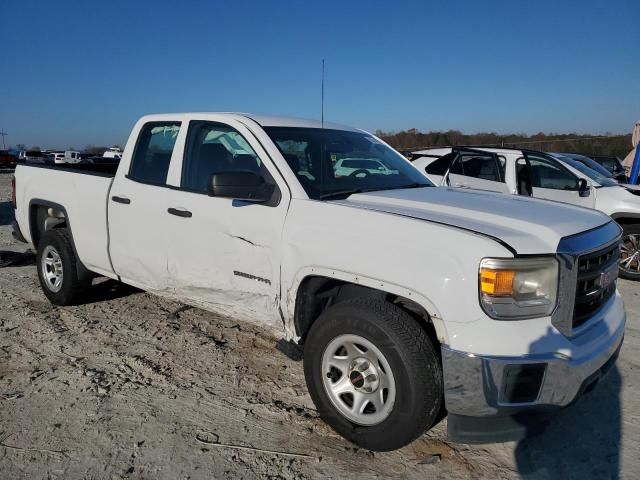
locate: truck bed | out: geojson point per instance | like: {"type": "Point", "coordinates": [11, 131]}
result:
{"type": "Point", "coordinates": [80, 192]}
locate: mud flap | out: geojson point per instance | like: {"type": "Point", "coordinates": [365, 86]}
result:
{"type": "Point", "coordinates": [16, 233]}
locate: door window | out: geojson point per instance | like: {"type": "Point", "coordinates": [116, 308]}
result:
{"type": "Point", "coordinates": [215, 148]}
{"type": "Point", "coordinates": [152, 155]}
{"type": "Point", "coordinates": [545, 173]}
{"type": "Point", "coordinates": [483, 167]}
{"type": "Point", "coordinates": [441, 165]}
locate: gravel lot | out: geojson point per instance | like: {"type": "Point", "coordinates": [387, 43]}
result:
{"type": "Point", "coordinates": [129, 385]}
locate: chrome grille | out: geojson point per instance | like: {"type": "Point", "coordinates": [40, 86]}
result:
{"type": "Point", "coordinates": [596, 282]}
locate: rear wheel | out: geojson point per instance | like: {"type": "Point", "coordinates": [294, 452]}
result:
{"type": "Point", "coordinates": [57, 270]}
{"type": "Point", "coordinates": [373, 373]}
{"type": "Point", "coordinates": [630, 252]}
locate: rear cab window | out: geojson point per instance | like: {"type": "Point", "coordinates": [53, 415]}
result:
{"type": "Point", "coordinates": [152, 155]}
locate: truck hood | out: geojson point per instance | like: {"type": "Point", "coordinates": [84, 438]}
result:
{"type": "Point", "coordinates": [528, 226]}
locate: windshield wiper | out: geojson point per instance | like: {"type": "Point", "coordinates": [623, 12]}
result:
{"type": "Point", "coordinates": [411, 185]}
{"type": "Point", "coordinates": [347, 193]}
{"type": "Point", "coordinates": [341, 193]}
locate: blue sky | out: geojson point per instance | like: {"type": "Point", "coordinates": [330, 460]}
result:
{"type": "Point", "coordinates": [77, 73]}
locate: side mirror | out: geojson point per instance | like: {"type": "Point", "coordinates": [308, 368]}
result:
{"type": "Point", "coordinates": [240, 185]}
{"type": "Point", "coordinates": [583, 188]}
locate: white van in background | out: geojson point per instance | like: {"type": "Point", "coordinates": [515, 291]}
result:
{"type": "Point", "coordinates": [60, 157]}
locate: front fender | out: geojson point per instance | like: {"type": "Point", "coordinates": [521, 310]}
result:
{"type": "Point", "coordinates": [365, 281]}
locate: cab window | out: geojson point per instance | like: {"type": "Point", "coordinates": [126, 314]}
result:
{"type": "Point", "coordinates": [214, 148]}
{"type": "Point", "coordinates": [151, 158]}
{"type": "Point", "coordinates": [483, 167]}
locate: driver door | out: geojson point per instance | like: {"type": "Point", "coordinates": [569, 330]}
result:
{"type": "Point", "coordinates": [552, 181]}
{"type": "Point", "coordinates": [224, 253]}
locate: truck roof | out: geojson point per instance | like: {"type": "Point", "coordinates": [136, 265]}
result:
{"type": "Point", "coordinates": [263, 120]}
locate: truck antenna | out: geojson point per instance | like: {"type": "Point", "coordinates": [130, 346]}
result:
{"type": "Point", "coordinates": [322, 97]}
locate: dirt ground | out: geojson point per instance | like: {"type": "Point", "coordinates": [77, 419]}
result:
{"type": "Point", "coordinates": [129, 385]}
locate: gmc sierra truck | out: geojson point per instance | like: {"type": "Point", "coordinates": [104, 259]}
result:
{"type": "Point", "coordinates": [410, 302]}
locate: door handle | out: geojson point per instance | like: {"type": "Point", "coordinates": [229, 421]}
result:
{"type": "Point", "coordinates": [123, 200]}
{"type": "Point", "coordinates": [178, 212]}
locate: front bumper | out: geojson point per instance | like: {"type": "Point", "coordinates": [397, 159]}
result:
{"type": "Point", "coordinates": [484, 394]}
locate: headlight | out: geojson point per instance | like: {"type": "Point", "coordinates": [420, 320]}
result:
{"type": "Point", "coordinates": [517, 288]}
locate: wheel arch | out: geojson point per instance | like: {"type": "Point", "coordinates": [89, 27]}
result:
{"type": "Point", "coordinates": [45, 215]}
{"type": "Point", "coordinates": [626, 218]}
{"type": "Point", "coordinates": [318, 289]}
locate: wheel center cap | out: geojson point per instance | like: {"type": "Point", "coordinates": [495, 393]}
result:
{"type": "Point", "coordinates": [364, 376]}
{"type": "Point", "coordinates": [357, 379]}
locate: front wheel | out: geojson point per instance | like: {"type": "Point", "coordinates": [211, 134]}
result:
{"type": "Point", "coordinates": [373, 373]}
{"type": "Point", "coordinates": [630, 252]}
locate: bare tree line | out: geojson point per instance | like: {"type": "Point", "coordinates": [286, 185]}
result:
{"type": "Point", "coordinates": [412, 139]}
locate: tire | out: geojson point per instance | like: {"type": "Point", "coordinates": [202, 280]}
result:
{"type": "Point", "coordinates": [56, 260]}
{"type": "Point", "coordinates": [630, 233]}
{"type": "Point", "coordinates": [416, 399]}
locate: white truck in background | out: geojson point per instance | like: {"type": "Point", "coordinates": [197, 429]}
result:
{"type": "Point", "coordinates": [409, 301]}
{"type": "Point", "coordinates": [113, 152]}
{"type": "Point", "coordinates": [536, 174]}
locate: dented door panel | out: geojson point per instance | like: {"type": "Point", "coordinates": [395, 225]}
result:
{"type": "Point", "coordinates": [226, 256]}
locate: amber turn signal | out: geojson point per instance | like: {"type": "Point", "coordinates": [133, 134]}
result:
{"type": "Point", "coordinates": [497, 283]}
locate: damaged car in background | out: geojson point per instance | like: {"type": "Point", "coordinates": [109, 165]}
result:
{"type": "Point", "coordinates": [410, 301]}
{"type": "Point", "coordinates": [550, 176]}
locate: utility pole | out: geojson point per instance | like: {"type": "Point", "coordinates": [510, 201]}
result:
{"type": "Point", "coordinates": [322, 97]}
{"type": "Point", "coordinates": [3, 134]}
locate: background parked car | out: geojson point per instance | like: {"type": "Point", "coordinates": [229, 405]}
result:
{"type": "Point", "coordinates": [98, 160]}
{"type": "Point", "coordinates": [60, 157]}
{"type": "Point", "coordinates": [37, 156]}
{"type": "Point", "coordinates": [612, 164]}
{"type": "Point", "coordinates": [7, 159]}
{"type": "Point", "coordinates": [592, 164]}
{"type": "Point", "coordinates": [361, 167]}
{"type": "Point", "coordinates": [545, 176]}
{"type": "Point", "coordinates": [113, 152]}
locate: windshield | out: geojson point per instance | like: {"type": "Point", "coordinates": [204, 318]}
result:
{"type": "Point", "coordinates": [592, 174]}
{"type": "Point", "coordinates": [592, 164]}
{"type": "Point", "coordinates": [612, 164]}
{"type": "Point", "coordinates": [335, 163]}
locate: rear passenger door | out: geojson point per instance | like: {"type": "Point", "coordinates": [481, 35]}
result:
{"type": "Point", "coordinates": [137, 209]}
{"type": "Point", "coordinates": [478, 170]}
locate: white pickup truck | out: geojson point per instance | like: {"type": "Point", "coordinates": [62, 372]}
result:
{"type": "Point", "coordinates": [540, 175]}
{"type": "Point", "coordinates": [409, 301]}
